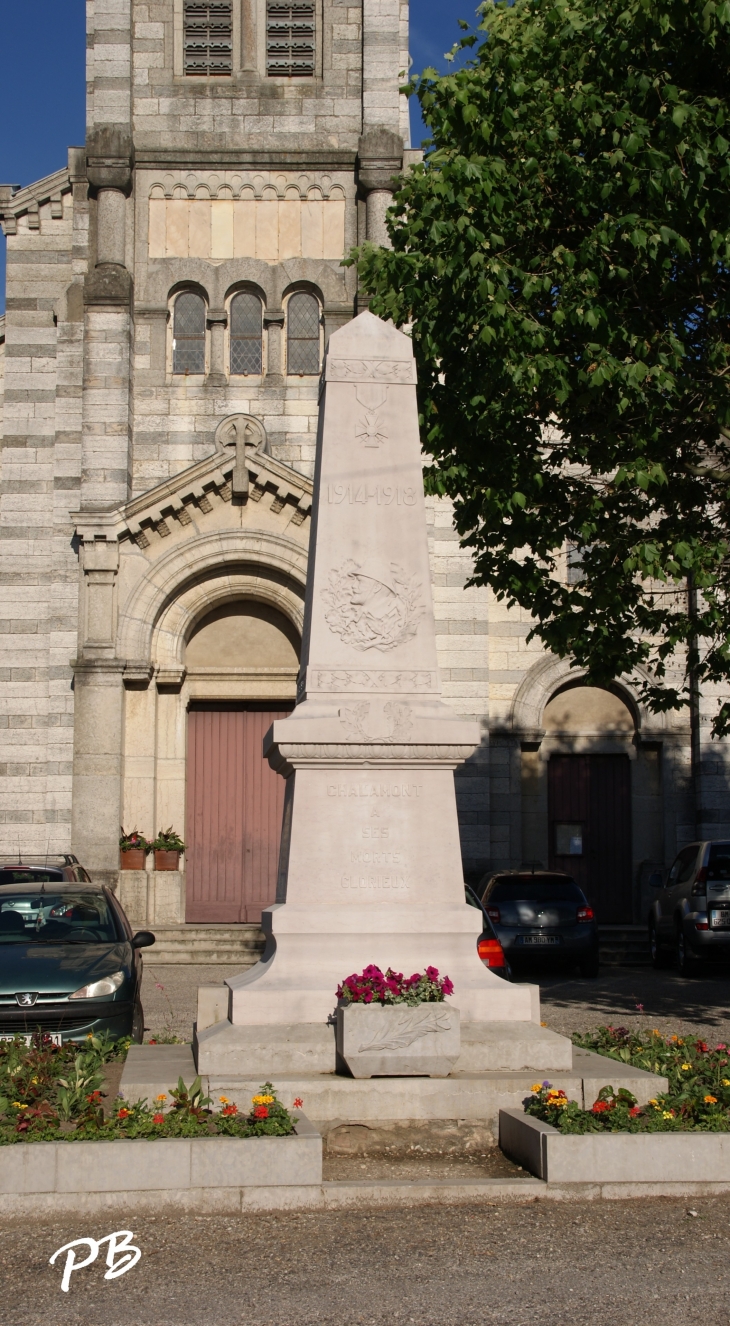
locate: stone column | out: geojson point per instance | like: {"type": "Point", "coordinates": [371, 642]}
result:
{"type": "Point", "coordinates": [274, 326]}
{"type": "Point", "coordinates": [380, 158]}
{"type": "Point", "coordinates": [110, 227]}
{"type": "Point", "coordinates": [217, 323]}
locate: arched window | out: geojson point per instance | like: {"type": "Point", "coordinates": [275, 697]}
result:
{"type": "Point", "coordinates": [302, 334]}
{"type": "Point", "coordinates": [188, 334]}
{"type": "Point", "coordinates": [245, 333]}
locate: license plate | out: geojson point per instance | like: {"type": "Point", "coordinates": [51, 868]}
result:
{"type": "Point", "coordinates": [540, 939]}
{"type": "Point", "coordinates": [54, 1036]}
{"type": "Point", "coordinates": [720, 920]}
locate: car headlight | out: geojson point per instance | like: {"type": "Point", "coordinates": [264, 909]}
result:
{"type": "Point", "coordinates": [106, 986]}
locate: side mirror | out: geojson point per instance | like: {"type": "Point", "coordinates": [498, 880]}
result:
{"type": "Point", "coordinates": [143, 939]}
{"type": "Point", "coordinates": [656, 880]}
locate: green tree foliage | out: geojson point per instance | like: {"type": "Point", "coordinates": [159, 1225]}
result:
{"type": "Point", "coordinates": [563, 254]}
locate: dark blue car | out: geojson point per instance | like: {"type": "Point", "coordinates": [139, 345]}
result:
{"type": "Point", "coordinates": [69, 962]}
{"type": "Point", "coordinates": [541, 914]}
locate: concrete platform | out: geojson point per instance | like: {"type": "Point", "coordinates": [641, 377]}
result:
{"type": "Point", "coordinates": [378, 1104]}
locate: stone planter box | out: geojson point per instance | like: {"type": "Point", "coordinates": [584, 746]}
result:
{"type": "Point", "coordinates": [134, 859]}
{"type": "Point", "coordinates": [89, 1175]}
{"type": "Point", "coordinates": [613, 1158]}
{"type": "Point", "coordinates": [397, 1040]}
{"type": "Point", "coordinates": [167, 860]}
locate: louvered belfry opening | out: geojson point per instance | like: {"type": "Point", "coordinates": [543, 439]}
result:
{"type": "Point", "coordinates": [302, 335]}
{"type": "Point", "coordinates": [208, 37]}
{"type": "Point", "coordinates": [290, 38]}
{"type": "Point", "coordinates": [245, 333]}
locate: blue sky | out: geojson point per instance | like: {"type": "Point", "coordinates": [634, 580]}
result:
{"type": "Point", "coordinates": [42, 81]}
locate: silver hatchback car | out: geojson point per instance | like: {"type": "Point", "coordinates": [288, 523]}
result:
{"type": "Point", "coordinates": [689, 918]}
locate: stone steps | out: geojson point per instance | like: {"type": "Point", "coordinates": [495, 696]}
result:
{"type": "Point", "coordinates": [624, 945]}
{"type": "Point", "coordinates": [205, 944]}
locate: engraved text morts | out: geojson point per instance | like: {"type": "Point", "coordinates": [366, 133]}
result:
{"type": "Point", "coordinates": [370, 868]}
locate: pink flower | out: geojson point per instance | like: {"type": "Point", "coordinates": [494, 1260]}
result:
{"type": "Point", "coordinates": [432, 973]}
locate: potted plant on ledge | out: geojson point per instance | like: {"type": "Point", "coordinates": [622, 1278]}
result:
{"type": "Point", "coordinates": [133, 849]}
{"type": "Point", "coordinates": [168, 847]}
{"type": "Point", "coordinates": [389, 1025]}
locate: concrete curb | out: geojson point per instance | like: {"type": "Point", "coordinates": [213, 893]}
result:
{"type": "Point", "coordinates": [619, 1161]}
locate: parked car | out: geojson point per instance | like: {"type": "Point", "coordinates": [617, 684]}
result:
{"type": "Point", "coordinates": [689, 918]}
{"type": "Point", "coordinates": [43, 869]}
{"type": "Point", "coordinates": [541, 913]}
{"type": "Point", "coordinates": [488, 946]}
{"type": "Point", "coordinates": [69, 962]}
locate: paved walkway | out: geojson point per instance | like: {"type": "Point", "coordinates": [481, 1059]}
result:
{"type": "Point", "coordinates": [624, 996]}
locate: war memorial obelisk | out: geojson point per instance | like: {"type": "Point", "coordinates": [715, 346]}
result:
{"type": "Point", "coordinates": [370, 868]}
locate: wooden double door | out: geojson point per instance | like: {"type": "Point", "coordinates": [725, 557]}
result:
{"type": "Point", "coordinates": [234, 812]}
{"type": "Point", "coordinates": [589, 813]}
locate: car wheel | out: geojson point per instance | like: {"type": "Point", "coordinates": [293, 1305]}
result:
{"type": "Point", "coordinates": [686, 961]}
{"type": "Point", "coordinates": [658, 954]}
{"type": "Point", "coordinates": [138, 1024]}
{"type": "Point", "coordinates": [590, 968]}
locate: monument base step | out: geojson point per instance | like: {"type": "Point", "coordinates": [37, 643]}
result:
{"type": "Point", "coordinates": [383, 1105]}
{"type": "Point", "coordinates": [229, 1049]}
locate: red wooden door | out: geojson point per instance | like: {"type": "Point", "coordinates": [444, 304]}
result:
{"type": "Point", "coordinates": [589, 812]}
{"type": "Point", "coordinates": [234, 810]}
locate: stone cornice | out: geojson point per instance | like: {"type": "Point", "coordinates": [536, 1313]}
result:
{"type": "Point", "coordinates": [148, 514]}
{"type": "Point", "coordinates": [33, 196]}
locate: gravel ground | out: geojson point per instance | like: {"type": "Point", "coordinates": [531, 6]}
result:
{"type": "Point", "coordinates": [647, 1262]}
{"type": "Point", "coordinates": [669, 1001]}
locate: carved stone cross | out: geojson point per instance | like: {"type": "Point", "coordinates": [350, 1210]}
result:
{"type": "Point", "coordinates": [241, 431]}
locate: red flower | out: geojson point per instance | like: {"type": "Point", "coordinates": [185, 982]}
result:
{"type": "Point", "coordinates": [158, 1118]}
{"type": "Point", "coordinates": [229, 1110]}
{"type": "Point", "coordinates": [432, 973]}
{"type": "Point", "coordinates": [702, 1047]}
{"type": "Point", "coordinates": [123, 1114]}
{"type": "Point", "coordinates": [600, 1107]}
{"type": "Point", "coordinates": [634, 1112]}
{"type": "Point", "coordinates": [94, 1098]}
{"type": "Point", "coordinates": [298, 1103]}
{"type": "Point", "coordinates": [261, 1112]}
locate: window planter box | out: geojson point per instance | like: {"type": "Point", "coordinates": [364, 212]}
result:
{"type": "Point", "coordinates": [167, 860]}
{"type": "Point", "coordinates": [134, 859]}
{"type": "Point", "coordinates": [398, 1040]}
{"type": "Point", "coordinates": [615, 1158]}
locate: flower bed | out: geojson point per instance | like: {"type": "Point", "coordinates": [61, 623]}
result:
{"type": "Point", "coordinates": [389, 987]}
{"type": "Point", "coordinates": [54, 1093]}
{"type": "Point", "coordinates": [698, 1099]}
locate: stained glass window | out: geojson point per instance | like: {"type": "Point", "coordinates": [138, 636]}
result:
{"type": "Point", "coordinates": [245, 333]}
{"type": "Point", "coordinates": [302, 334]}
{"type": "Point", "coordinates": [290, 38]}
{"type": "Point", "coordinates": [188, 331]}
{"type": "Point", "coordinates": [208, 40]}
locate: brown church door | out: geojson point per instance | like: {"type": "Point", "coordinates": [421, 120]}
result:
{"type": "Point", "coordinates": [589, 811]}
{"type": "Point", "coordinates": [234, 810]}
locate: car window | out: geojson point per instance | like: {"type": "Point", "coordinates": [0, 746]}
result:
{"type": "Point", "coordinates": [540, 889]}
{"type": "Point", "coordinates": [18, 875]}
{"type": "Point", "coordinates": [718, 866]}
{"type": "Point", "coordinates": [686, 861]}
{"type": "Point", "coordinates": [53, 918]}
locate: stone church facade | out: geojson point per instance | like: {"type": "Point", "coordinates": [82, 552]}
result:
{"type": "Point", "coordinates": [170, 293]}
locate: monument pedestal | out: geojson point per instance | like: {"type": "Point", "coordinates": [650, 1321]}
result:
{"type": "Point", "coordinates": [370, 868]}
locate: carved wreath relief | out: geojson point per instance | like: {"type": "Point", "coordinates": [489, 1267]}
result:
{"type": "Point", "coordinates": [356, 721]}
{"type": "Point", "coordinates": [373, 613]}
{"type": "Point", "coordinates": [411, 1026]}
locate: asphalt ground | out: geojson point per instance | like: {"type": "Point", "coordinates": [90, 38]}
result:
{"type": "Point", "coordinates": [646, 1262]}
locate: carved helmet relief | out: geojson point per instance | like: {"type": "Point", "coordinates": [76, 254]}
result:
{"type": "Point", "coordinates": [371, 611]}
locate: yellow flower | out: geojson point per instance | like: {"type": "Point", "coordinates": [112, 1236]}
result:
{"type": "Point", "coordinates": [563, 1101]}
{"type": "Point", "coordinates": [710, 1100]}
{"type": "Point", "coordinates": [224, 1100]}
{"type": "Point", "coordinates": [667, 1114]}
{"type": "Point", "coordinates": [162, 1096]}
{"type": "Point", "coordinates": [17, 1105]}
{"type": "Point", "coordinates": [655, 1103]}
{"type": "Point", "coordinates": [34, 1081]}
{"type": "Point", "coordinates": [262, 1100]}
{"type": "Point", "coordinates": [656, 1032]}
{"type": "Point", "coordinates": [726, 1081]}
{"type": "Point", "coordinates": [536, 1086]}
{"type": "Point", "coordinates": [686, 1068]}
